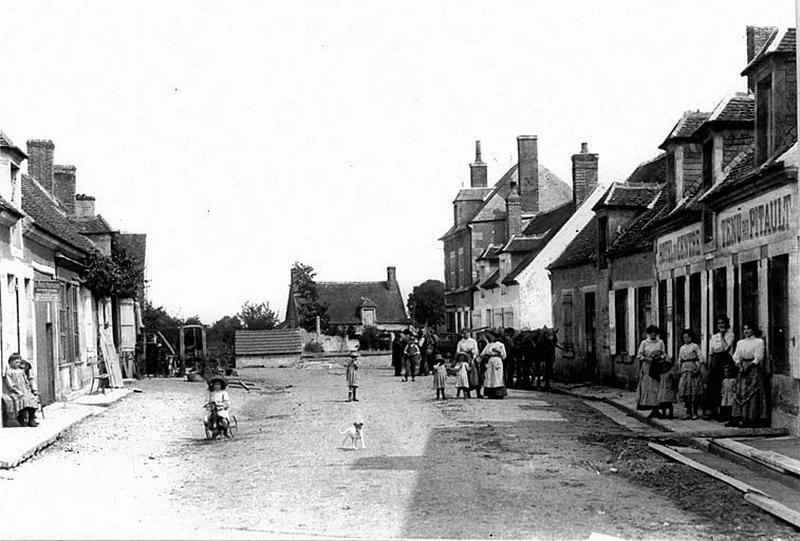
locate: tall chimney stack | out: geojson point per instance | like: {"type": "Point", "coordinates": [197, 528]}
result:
{"type": "Point", "coordinates": [528, 172]}
{"type": "Point", "coordinates": [584, 174]}
{"type": "Point", "coordinates": [477, 170]}
{"type": "Point", "coordinates": [40, 161]}
{"type": "Point", "coordinates": [84, 206]}
{"type": "Point", "coordinates": [391, 275]}
{"type": "Point", "coordinates": [64, 186]}
{"type": "Point", "coordinates": [513, 212]}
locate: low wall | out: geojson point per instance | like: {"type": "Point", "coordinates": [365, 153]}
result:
{"type": "Point", "coordinates": [263, 361]}
{"type": "Point", "coordinates": [365, 359]}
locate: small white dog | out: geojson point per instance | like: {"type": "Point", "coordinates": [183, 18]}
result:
{"type": "Point", "coordinates": [354, 433]}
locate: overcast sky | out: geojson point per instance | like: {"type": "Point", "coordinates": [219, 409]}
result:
{"type": "Point", "coordinates": [243, 136]}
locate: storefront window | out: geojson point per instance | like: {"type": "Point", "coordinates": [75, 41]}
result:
{"type": "Point", "coordinates": [720, 302]}
{"type": "Point", "coordinates": [778, 285]}
{"type": "Point", "coordinates": [621, 316]}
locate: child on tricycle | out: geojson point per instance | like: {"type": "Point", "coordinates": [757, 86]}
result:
{"type": "Point", "coordinates": [218, 418]}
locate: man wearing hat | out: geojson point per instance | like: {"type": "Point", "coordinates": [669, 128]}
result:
{"type": "Point", "coordinates": [218, 396]}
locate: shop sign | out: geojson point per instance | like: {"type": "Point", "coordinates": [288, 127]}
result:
{"type": "Point", "coordinates": [46, 290]}
{"type": "Point", "coordinates": [757, 220]}
{"type": "Point", "coordinates": [678, 248]}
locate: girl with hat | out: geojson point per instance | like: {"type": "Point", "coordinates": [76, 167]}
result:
{"type": "Point", "coordinates": [440, 377]}
{"type": "Point", "coordinates": [352, 377]}
{"type": "Point", "coordinates": [219, 400]}
{"type": "Point", "coordinates": [20, 396]}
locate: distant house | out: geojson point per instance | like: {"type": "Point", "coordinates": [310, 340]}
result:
{"type": "Point", "coordinates": [358, 304]}
{"type": "Point", "coordinates": [280, 347]}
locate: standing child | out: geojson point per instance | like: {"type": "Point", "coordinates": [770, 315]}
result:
{"type": "Point", "coordinates": [20, 396]}
{"type": "Point", "coordinates": [440, 377]}
{"type": "Point", "coordinates": [728, 394]}
{"type": "Point", "coordinates": [462, 375]}
{"type": "Point", "coordinates": [690, 386]}
{"type": "Point", "coordinates": [410, 357]}
{"type": "Point", "coordinates": [352, 377]}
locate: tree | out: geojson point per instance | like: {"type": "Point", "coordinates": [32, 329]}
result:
{"type": "Point", "coordinates": [257, 316]}
{"type": "Point", "coordinates": [158, 319]}
{"type": "Point", "coordinates": [224, 330]}
{"type": "Point", "coordinates": [426, 303]}
{"type": "Point", "coordinates": [305, 295]}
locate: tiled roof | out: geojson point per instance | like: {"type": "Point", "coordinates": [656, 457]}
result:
{"type": "Point", "coordinates": [523, 244]}
{"type": "Point", "coordinates": [491, 281]}
{"type": "Point", "coordinates": [472, 194]}
{"type": "Point", "coordinates": [94, 225]}
{"type": "Point", "coordinates": [343, 300]}
{"type": "Point", "coordinates": [685, 127]}
{"type": "Point", "coordinates": [626, 195]}
{"type": "Point", "coordinates": [738, 107]}
{"type": "Point", "coordinates": [741, 173]}
{"type": "Point", "coordinates": [635, 237]}
{"type": "Point", "coordinates": [48, 216]}
{"type": "Point", "coordinates": [274, 342]}
{"type": "Point", "coordinates": [783, 40]}
{"type": "Point", "coordinates": [653, 171]}
{"type": "Point", "coordinates": [581, 250]}
{"type": "Point", "coordinates": [5, 141]}
{"type": "Point", "coordinates": [491, 252]}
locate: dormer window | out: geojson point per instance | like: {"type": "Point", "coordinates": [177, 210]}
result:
{"type": "Point", "coordinates": [765, 137]}
{"type": "Point", "coordinates": [368, 317]}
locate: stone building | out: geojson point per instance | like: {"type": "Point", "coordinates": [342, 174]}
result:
{"type": "Point", "coordinates": [480, 219]}
{"type": "Point", "coordinates": [513, 288]}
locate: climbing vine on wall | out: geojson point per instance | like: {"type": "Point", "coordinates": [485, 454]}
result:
{"type": "Point", "coordinates": [117, 274]}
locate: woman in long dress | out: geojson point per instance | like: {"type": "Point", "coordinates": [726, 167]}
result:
{"type": "Point", "coordinates": [691, 387]}
{"type": "Point", "coordinates": [750, 403]}
{"type": "Point", "coordinates": [494, 382]}
{"type": "Point", "coordinates": [720, 348]}
{"type": "Point", "coordinates": [651, 350]}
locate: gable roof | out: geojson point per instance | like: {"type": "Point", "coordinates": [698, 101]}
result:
{"type": "Point", "coordinates": [344, 299]}
{"type": "Point", "coordinates": [652, 171]}
{"type": "Point", "coordinates": [92, 225]}
{"type": "Point", "coordinates": [48, 215]}
{"type": "Point", "coordinates": [629, 195]}
{"type": "Point", "coordinates": [686, 126]}
{"type": "Point", "coordinates": [581, 250]}
{"type": "Point", "coordinates": [272, 342]}
{"type": "Point", "coordinates": [782, 40]}
{"type": "Point", "coordinates": [472, 194]}
{"type": "Point", "coordinates": [6, 142]}
{"type": "Point", "coordinates": [636, 236]}
{"type": "Point", "coordinates": [491, 281]}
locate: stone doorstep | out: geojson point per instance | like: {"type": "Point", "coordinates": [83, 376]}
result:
{"type": "Point", "coordinates": [18, 444]}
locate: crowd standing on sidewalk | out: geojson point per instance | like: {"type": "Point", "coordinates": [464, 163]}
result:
{"type": "Point", "coordinates": [728, 387]}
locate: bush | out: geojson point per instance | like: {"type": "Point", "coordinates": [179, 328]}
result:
{"type": "Point", "coordinates": [313, 347]}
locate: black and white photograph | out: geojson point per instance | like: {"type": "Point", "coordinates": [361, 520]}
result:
{"type": "Point", "coordinates": [432, 269]}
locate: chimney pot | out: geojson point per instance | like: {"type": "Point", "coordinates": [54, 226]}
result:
{"type": "Point", "coordinates": [513, 212]}
{"type": "Point", "coordinates": [584, 174]}
{"type": "Point", "coordinates": [478, 177]}
{"type": "Point", "coordinates": [64, 186]}
{"type": "Point", "coordinates": [391, 275]}
{"type": "Point", "coordinates": [84, 206]}
{"type": "Point", "coordinates": [584, 148]}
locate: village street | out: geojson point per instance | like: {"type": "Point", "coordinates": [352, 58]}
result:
{"type": "Point", "coordinates": [535, 465]}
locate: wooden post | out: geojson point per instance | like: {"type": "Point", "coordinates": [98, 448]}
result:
{"type": "Point", "coordinates": [319, 329]}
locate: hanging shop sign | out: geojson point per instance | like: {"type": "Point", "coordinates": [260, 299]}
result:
{"type": "Point", "coordinates": [680, 247]}
{"type": "Point", "coordinates": [756, 222]}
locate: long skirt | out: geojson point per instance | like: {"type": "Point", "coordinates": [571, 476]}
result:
{"type": "Point", "coordinates": [690, 387]}
{"type": "Point", "coordinates": [473, 374]}
{"type": "Point", "coordinates": [494, 385]}
{"type": "Point", "coordinates": [750, 403]}
{"type": "Point", "coordinates": [647, 390]}
{"type": "Point", "coordinates": [668, 387]}
{"type": "Point", "coordinates": [716, 373]}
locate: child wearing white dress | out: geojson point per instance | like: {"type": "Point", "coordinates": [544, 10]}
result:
{"type": "Point", "coordinates": [462, 375]}
{"type": "Point", "coordinates": [690, 386]}
{"type": "Point", "coordinates": [439, 377]}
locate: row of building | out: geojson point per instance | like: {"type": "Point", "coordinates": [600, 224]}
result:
{"type": "Point", "coordinates": [48, 313]}
{"type": "Point", "coordinates": [707, 227]}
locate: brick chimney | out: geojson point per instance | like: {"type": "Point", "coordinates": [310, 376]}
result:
{"type": "Point", "coordinates": [84, 206]}
{"type": "Point", "coordinates": [528, 172]}
{"type": "Point", "coordinates": [64, 186]}
{"type": "Point", "coordinates": [757, 36]}
{"type": "Point", "coordinates": [584, 174]}
{"type": "Point", "coordinates": [513, 212]}
{"type": "Point", "coordinates": [40, 161]}
{"type": "Point", "coordinates": [391, 275]}
{"type": "Point", "coordinates": [477, 170]}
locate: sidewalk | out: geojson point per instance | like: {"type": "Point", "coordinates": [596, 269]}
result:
{"type": "Point", "coordinates": [626, 401]}
{"type": "Point", "coordinates": [18, 444]}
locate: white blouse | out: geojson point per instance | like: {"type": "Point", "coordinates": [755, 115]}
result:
{"type": "Point", "coordinates": [715, 344]}
{"type": "Point", "coordinates": [749, 349]}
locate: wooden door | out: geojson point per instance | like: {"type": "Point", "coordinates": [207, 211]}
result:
{"type": "Point", "coordinates": [45, 361]}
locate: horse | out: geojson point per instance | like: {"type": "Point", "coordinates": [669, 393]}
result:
{"type": "Point", "coordinates": [536, 354]}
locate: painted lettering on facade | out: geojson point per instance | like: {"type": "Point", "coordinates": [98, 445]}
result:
{"type": "Point", "coordinates": [680, 248]}
{"type": "Point", "coordinates": [757, 221]}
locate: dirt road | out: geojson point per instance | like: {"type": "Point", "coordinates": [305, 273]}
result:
{"type": "Point", "coordinates": [535, 465]}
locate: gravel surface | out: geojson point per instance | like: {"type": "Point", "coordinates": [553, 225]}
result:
{"type": "Point", "coordinates": [535, 465]}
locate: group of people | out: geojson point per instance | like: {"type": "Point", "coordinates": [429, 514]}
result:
{"type": "Point", "coordinates": [727, 387]}
{"type": "Point", "coordinates": [20, 393]}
